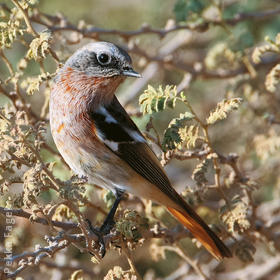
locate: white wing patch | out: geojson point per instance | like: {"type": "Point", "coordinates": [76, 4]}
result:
{"type": "Point", "coordinates": [112, 132]}
{"type": "Point", "coordinates": [108, 117]}
{"type": "Point", "coordinates": [112, 145]}
{"type": "Point", "coordinates": [135, 135]}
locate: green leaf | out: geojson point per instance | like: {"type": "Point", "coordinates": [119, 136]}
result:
{"type": "Point", "coordinates": [183, 8]}
{"type": "Point", "coordinates": [180, 10]}
{"type": "Point", "coordinates": [173, 134]}
{"type": "Point", "coordinates": [199, 173]}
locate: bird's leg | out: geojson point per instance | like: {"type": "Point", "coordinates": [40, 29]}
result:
{"type": "Point", "coordinates": [109, 220]}
{"type": "Point", "coordinates": [107, 224]}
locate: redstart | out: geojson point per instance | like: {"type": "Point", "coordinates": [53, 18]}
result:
{"type": "Point", "coordinates": [98, 139]}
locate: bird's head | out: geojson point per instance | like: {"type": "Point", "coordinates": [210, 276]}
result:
{"type": "Point", "coordinates": [97, 68]}
{"type": "Point", "coordinates": [102, 59]}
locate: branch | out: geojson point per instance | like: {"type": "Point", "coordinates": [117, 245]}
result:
{"type": "Point", "coordinates": [219, 74]}
{"type": "Point", "coordinates": [30, 29]}
{"type": "Point", "coordinates": [231, 160]}
{"type": "Point", "coordinates": [179, 155]}
{"type": "Point", "coordinates": [95, 32]}
{"type": "Point", "coordinates": [155, 232]}
{"type": "Point", "coordinates": [34, 258]}
{"type": "Point", "coordinates": [153, 67]}
{"type": "Point", "coordinates": [63, 240]}
{"type": "Point", "coordinates": [186, 258]}
{"type": "Point", "coordinates": [252, 15]}
{"type": "Point", "coordinates": [26, 215]}
{"type": "Point", "coordinates": [253, 271]}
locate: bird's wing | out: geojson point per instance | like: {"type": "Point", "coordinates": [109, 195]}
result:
{"type": "Point", "coordinates": [119, 133]}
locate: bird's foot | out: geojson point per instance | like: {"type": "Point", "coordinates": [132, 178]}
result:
{"type": "Point", "coordinates": [100, 233]}
{"type": "Point", "coordinates": [108, 224]}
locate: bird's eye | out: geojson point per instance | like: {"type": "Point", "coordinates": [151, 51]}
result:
{"type": "Point", "coordinates": [103, 58]}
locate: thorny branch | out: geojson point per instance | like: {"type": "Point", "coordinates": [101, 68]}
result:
{"type": "Point", "coordinates": [64, 239]}
{"type": "Point", "coordinates": [27, 259]}
{"type": "Point", "coordinates": [24, 214]}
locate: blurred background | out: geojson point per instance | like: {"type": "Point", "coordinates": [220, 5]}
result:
{"type": "Point", "coordinates": [211, 50]}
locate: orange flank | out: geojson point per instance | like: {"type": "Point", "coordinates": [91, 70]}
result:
{"type": "Point", "coordinates": [93, 129]}
{"type": "Point", "coordinates": [207, 238]}
{"type": "Point", "coordinates": [60, 128]}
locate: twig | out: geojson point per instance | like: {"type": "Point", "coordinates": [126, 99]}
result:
{"type": "Point", "coordinates": [131, 263]}
{"type": "Point", "coordinates": [252, 15]}
{"type": "Point", "coordinates": [24, 214]}
{"type": "Point", "coordinates": [192, 263]}
{"type": "Point", "coordinates": [253, 271]}
{"type": "Point", "coordinates": [30, 28]}
{"type": "Point", "coordinates": [54, 152]}
{"type": "Point", "coordinates": [90, 204]}
{"type": "Point", "coordinates": [9, 95]}
{"type": "Point", "coordinates": [171, 234]}
{"type": "Point", "coordinates": [181, 271]}
{"type": "Point", "coordinates": [153, 66]}
{"type": "Point", "coordinates": [51, 177]}
{"type": "Point", "coordinates": [34, 258]}
{"type": "Point", "coordinates": [185, 155]}
{"type": "Point", "coordinates": [94, 32]}
{"type": "Point", "coordinates": [231, 160]}
{"type": "Point", "coordinates": [8, 63]}
{"type": "Point", "coordinates": [204, 127]}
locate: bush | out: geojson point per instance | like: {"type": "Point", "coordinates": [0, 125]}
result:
{"type": "Point", "coordinates": [210, 99]}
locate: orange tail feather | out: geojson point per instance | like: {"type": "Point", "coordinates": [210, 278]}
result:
{"type": "Point", "coordinates": [202, 232]}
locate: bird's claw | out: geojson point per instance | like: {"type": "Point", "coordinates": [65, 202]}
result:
{"type": "Point", "coordinates": [100, 232]}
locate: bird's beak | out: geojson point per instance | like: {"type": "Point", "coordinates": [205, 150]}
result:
{"type": "Point", "coordinates": [129, 72]}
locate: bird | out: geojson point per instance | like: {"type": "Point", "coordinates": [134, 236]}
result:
{"type": "Point", "coordinates": [98, 139]}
